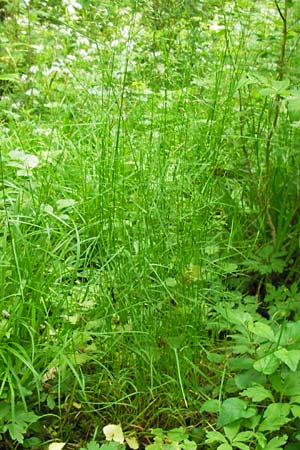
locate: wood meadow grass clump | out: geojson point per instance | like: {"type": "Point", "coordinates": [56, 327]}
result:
{"type": "Point", "coordinates": [149, 224]}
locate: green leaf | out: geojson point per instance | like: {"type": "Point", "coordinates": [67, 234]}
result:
{"type": "Point", "coordinates": [188, 445]}
{"type": "Point", "coordinates": [276, 442]}
{"type": "Point", "coordinates": [289, 333]}
{"type": "Point", "coordinates": [241, 445]}
{"type": "Point", "coordinates": [248, 378]}
{"type": "Point", "coordinates": [295, 410]}
{"type": "Point", "coordinates": [32, 442]}
{"type": "Point", "coordinates": [291, 384]}
{"type": "Point", "coordinates": [234, 409]}
{"type": "Point", "coordinates": [92, 446]}
{"type": "Point", "coordinates": [295, 399]}
{"type": "Point", "coordinates": [214, 436]}
{"type": "Point", "coordinates": [267, 364]}
{"type": "Point", "coordinates": [111, 445]}
{"type": "Point", "coordinates": [177, 434]}
{"type": "Point", "coordinates": [275, 416]}
{"type": "Point", "coordinates": [232, 430]}
{"type": "Point", "coordinates": [50, 402]}
{"type": "Point", "coordinates": [292, 446]}
{"type": "Point", "coordinates": [244, 436]}
{"type": "Point", "coordinates": [276, 87]}
{"type": "Point", "coordinates": [252, 422]}
{"type": "Point", "coordinates": [167, 446]}
{"type": "Point", "coordinates": [157, 431]}
{"type": "Point", "coordinates": [215, 357]}
{"type": "Point", "coordinates": [228, 267]}
{"type": "Point", "coordinates": [170, 282]}
{"type": "Point", "coordinates": [211, 406]}
{"type": "Point", "coordinates": [236, 316]}
{"type": "Point", "coordinates": [262, 330]}
{"type": "Point", "coordinates": [225, 447]}
{"type": "Point", "coordinates": [16, 431]}
{"type": "Point", "coordinates": [289, 357]}
{"type": "Point", "coordinates": [240, 363]}
{"type": "Point", "coordinates": [261, 440]}
{"type": "Point", "coordinates": [257, 393]}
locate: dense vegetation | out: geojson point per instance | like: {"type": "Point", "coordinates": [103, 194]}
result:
{"type": "Point", "coordinates": [150, 224]}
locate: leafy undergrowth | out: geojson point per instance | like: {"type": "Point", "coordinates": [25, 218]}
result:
{"type": "Point", "coordinates": [149, 162]}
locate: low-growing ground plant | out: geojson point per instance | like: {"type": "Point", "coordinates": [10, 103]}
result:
{"type": "Point", "coordinates": [261, 410]}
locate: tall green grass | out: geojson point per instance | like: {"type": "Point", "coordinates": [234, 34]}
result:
{"type": "Point", "coordinates": [117, 245]}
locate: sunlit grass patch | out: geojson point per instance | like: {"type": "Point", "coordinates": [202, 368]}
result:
{"type": "Point", "coordinates": [148, 176]}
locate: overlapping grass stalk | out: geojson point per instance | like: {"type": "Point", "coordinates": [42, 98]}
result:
{"type": "Point", "coordinates": [143, 154]}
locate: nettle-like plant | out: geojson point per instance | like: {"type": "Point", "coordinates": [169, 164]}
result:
{"type": "Point", "coordinates": [264, 412]}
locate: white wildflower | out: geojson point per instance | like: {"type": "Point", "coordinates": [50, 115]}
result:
{"type": "Point", "coordinates": [113, 433]}
{"type": "Point", "coordinates": [33, 69]}
{"type": "Point", "coordinates": [32, 92]}
{"type": "Point", "coordinates": [82, 40]}
{"type": "Point", "coordinates": [216, 27]}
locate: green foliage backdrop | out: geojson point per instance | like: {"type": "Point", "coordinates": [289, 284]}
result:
{"type": "Point", "coordinates": [149, 219]}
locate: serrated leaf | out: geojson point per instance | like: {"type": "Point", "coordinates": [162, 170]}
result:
{"type": "Point", "coordinates": [289, 357]}
{"type": "Point", "coordinates": [261, 440]}
{"type": "Point", "coordinates": [275, 416]}
{"type": "Point", "coordinates": [276, 442]}
{"type": "Point", "coordinates": [16, 431]}
{"type": "Point", "coordinates": [26, 416]}
{"type": "Point", "coordinates": [257, 393]}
